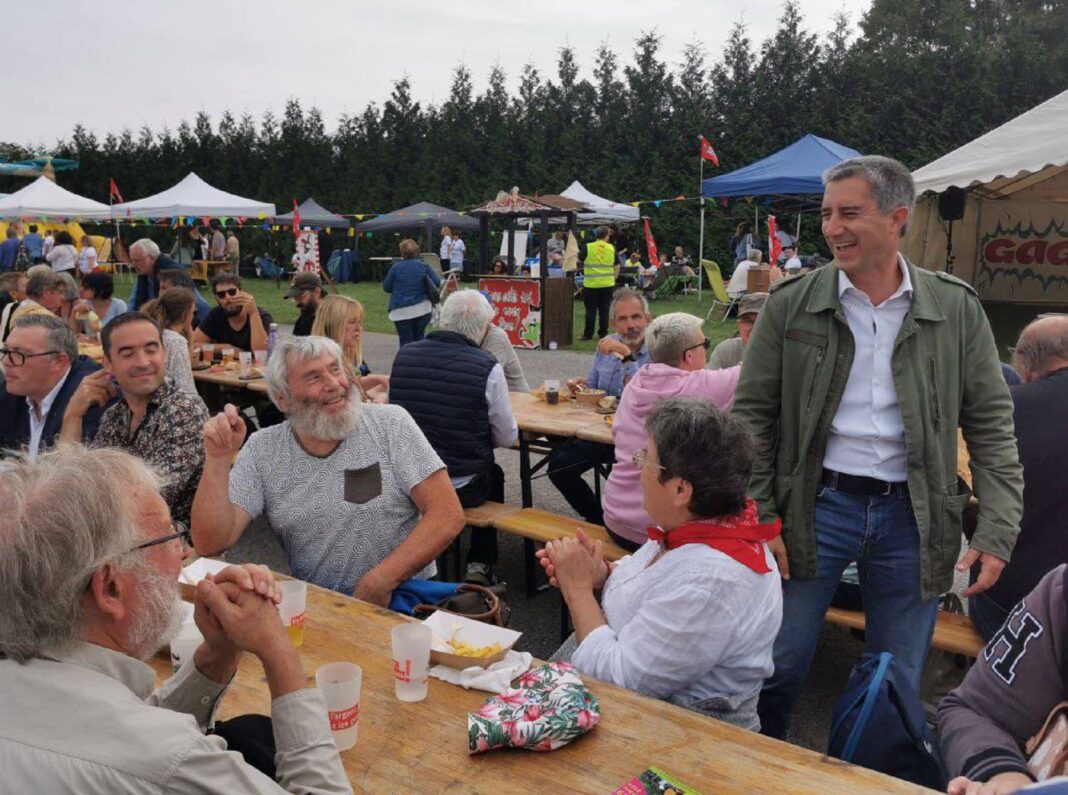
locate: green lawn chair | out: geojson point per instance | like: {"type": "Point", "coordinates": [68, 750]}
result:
{"type": "Point", "coordinates": [719, 290]}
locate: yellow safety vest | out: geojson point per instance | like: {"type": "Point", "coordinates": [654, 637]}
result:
{"type": "Point", "coordinates": [600, 265]}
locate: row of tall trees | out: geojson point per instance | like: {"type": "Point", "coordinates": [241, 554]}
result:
{"type": "Point", "coordinates": [910, 80]}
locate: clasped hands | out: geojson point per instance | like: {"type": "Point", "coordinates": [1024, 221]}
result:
{"type": "Point", "coordinates": [574, 563]}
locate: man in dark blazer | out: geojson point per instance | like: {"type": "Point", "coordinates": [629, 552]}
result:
{"type": "Point", "coordinates": [42, 369]}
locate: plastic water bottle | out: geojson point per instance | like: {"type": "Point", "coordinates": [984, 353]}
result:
{"type": "Point", "coordinates": [272, 338]}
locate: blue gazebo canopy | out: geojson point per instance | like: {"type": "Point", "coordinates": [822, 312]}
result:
{"type": "Point", "coordinates": [792, 171]}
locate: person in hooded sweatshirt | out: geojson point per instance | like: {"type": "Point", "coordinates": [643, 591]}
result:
{"type": "Point", "coordinates": [677, 349]}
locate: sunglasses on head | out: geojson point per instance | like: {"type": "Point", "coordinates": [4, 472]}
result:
{"type": "Point", "coordinates": [231, 291]}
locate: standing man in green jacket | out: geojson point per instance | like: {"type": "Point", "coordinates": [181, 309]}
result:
{"type": "Point", "coordinates": [598, 283]}
{"type": "Point", "coordinates": [855, 381]}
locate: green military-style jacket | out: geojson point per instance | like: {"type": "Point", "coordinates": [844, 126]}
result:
{"type": "Point", "coordinates": [946, 375]}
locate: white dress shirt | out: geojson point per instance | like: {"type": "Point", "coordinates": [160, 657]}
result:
{"type": "Point", "coordinates": [867, 435]}
{"type": "Point", "coordinates": [37, 425]}
{"type": "Point", "coordinates": [504, 429]}
{"type": "Point", "coordinates": [692, 626]}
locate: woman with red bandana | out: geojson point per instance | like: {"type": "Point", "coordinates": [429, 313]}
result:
{"type": "Point", "coordinates": [692, 615]}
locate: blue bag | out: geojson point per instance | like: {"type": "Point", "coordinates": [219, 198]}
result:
{"type": "Point", "coordinates": [879, 723]}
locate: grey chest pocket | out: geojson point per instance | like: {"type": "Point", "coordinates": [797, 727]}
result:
{"type": "Point", "coordinates": [363, 485]}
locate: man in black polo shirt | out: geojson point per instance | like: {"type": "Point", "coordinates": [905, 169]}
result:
{"type": "Point", "coordinates": [306, 290]}
{"type": "Point", "coordinates": [236, 321]}
{"type": "Point", "coordinates": [1041, 358]}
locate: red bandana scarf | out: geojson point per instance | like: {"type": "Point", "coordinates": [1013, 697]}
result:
{"type": "Point", "coordinates": [741, 536]}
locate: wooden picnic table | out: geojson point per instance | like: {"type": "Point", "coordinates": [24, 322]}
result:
{"type": "Point", "coordinates": [201, 270]}
{"type": "Point", "coordinates": [229, 378]}
{"type": "Point", "coordinates": [422, 747]}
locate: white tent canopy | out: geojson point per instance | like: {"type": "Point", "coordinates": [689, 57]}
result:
{"type": "Point", "coordinates": [192, 196]}
{"type": "Point", "coordinates": [1017, 155]}
{"type": "Point", "coordinates": [603, 211]}
{"type": "Point", "coordinates": [45, 200]}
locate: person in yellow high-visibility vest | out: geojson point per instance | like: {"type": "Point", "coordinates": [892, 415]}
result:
{"type": "Point", "coordinates": [599, 282]}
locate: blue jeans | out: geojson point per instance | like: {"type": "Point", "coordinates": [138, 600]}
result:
{"type": "Point", "coordinates": [880, 534]}
{"type": "Point", "coordinates": [412, 330]}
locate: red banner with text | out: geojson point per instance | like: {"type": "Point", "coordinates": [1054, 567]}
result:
{"type": "Point", "coordinates": [517, 305]}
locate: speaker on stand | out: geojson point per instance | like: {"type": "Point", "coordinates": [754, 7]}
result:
{"type": "Point", "coordinates": [951, 208]}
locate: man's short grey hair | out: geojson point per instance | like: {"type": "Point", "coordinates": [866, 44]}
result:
{"type": "Point", "coordinates": [1042, 348]}
{"type": "Point", "coordinates": [627, 294]}
{"type": "Point", "coordinates": [754, 255]}
{"type": "Point", "coordinates": [59, 334]}
{"type": "Point", "coordinates": [890, 180]}
{"type": "Point", "coordinates": [290, 350]}
{"type": "Point", "coordinates": [670, 335]}
{"type": "Point", "coordinates": [711, 450]}
{"type": "Point", "coordinates": [67, 284]}
{"type": "Point", "coordinates": [37, 284]}
{"type": "Point", "coordinates": [62, 517]}
{"type": "Point", "coordinates": [39, 269]}
{"type": "Point", "coordinates": [466, 312]}
{"type": "Point", "coordinates": [147, 247]}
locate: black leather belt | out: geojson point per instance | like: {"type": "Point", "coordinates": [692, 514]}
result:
{"type": "Point", "coordinates": [860, 486]}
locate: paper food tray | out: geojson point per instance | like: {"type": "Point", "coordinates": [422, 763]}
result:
{"type": "Point", "coordinates": [476, 633]}
{"type": "Point", "coordinates": [194, 573]}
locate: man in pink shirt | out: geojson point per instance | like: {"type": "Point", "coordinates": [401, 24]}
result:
{"type": "Point", "coordinates": [677, 348]}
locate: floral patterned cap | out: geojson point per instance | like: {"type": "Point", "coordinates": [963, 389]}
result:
{"type": "Point", "coordinates": [547, 709]}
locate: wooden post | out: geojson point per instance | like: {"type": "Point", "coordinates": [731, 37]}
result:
{"type": "Point", "coordinates": [483, 243]}
{"type": "Point", "coordinates": [543, 271]}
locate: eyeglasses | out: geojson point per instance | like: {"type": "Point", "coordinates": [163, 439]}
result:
{"type": "Point", "coordinates": [705, 343]}
{"type": "Point", "coordinates": [641, 460]}
{"type": "Point", "coordinates": [223, 293]}
{"type": "Point", "coordinates": [18, 358]}
{"type": "Point", "coordinates": [180, 531]}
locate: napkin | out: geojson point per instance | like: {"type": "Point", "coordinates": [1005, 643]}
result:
{"type": "Point", "coordinates": [495, 679]}
{"type": "Point", "coordinates": [547, 709]}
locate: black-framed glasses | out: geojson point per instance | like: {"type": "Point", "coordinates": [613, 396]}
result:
{"type": "Point", "coordinates": [232, 291]}
{"type": "Point", "coordinates": [641, 460]}
{"type": "Point", "coordinates": [180, 531]}
{"type": "Point", "coordinates": [706, 343]}
{"type": "Point", "coordinates": [18, 358]}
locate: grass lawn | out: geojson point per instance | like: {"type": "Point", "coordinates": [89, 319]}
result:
{"type": "Point", "coordinates": [375, 304]}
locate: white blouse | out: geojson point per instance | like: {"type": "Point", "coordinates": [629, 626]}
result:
{"type": "Point", "coordinates": [694, 625]}
{"type": "Point", "coordinates": [178, 365]}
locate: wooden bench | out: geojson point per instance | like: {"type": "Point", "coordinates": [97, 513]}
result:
{"type": "Point", "coordinates": [485, 515]}
{"type": "Point", "coordinates": [953, 632]}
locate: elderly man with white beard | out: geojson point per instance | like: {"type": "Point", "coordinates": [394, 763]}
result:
{"type": "Point", "coordinates": [89, 562]}
{"type": "Point", "coordinates": [356, 495]}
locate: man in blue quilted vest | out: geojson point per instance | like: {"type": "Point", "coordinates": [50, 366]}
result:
{"type": "Point", "coordinates": [458, 396]}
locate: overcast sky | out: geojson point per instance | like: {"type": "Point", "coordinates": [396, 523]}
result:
{"type": "Point", "coordinates": [127, 63]}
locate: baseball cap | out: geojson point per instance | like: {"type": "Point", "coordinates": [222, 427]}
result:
{"type": "Point", "coordinates": [751, 303]}
{"type": "Point", "coordinates": [303, 282]}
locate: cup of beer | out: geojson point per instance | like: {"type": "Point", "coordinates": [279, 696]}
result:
{"type": "Point", "coordinates": [294, 601]}
{"type": "Point", "coordinates": [207, 350]}
{"type": "Point", "coordinates": [340, 684]}
{"type": "Point", "coordinates": [227, 356]}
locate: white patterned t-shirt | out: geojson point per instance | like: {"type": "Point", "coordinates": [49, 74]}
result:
{"type": "Point", "coordinates": [331, 542]}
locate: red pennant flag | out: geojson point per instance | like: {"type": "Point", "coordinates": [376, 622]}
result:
{"type": "Point", "coordinates": [296, 220]}
{"type": "Point", "coordinates": [650, 244]}
{"type": "Point", "coordinates": [707, 152]}
{"type": "Point", "coordinates": [774, 244]}
{"type": "Point", "coordinates": [114, 192]}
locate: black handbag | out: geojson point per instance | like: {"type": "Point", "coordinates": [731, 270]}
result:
{"type": "Point", "coordinates": [476, 602]}
{"type": "Point", "coordinates": [432, 293]}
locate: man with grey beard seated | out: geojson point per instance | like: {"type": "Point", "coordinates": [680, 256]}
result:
{"type": "Point", "coordinates": [356, 495]}
{"type": "Point", "coordinates": [89, 563]}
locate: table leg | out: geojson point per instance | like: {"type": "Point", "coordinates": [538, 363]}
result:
{"type": "Point", "coordinates": [524, 471]}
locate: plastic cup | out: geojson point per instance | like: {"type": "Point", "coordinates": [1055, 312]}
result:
{"type": "Point", "coordinates": [260, 357]}
{"type": "Point", "coordinates": [294, 601]}
{"type": "Point", "coordinates": [245, 359]}
{"type": "Point", "coordinates": [411, 661]}
{"type": "Point", "coordinates": [207, 350]}
{"type": "Point", "coordinates": [227, 355]}
{"type": "Point", "coordinates": [340, 685]}
{"type": "Point", "coordinates": [184, 645]}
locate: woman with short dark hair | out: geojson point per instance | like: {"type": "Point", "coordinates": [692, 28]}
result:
{"type": "Point", "coordinates": [691, 617]}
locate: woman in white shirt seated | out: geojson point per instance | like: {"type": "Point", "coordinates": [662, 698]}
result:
{"type": "Point", "coordinates": [691, 617]}
{"type": "Point", "coordinates": [173, 311]}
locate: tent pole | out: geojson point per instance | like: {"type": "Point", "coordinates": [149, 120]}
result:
{"type": "Point", "coordinates": [701, 234]}
{"type": "Point", "coordinates": [797, 237]}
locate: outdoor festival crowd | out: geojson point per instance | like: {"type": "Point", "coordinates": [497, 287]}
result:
{"type": "Point", "coordinates": [743, 485]}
